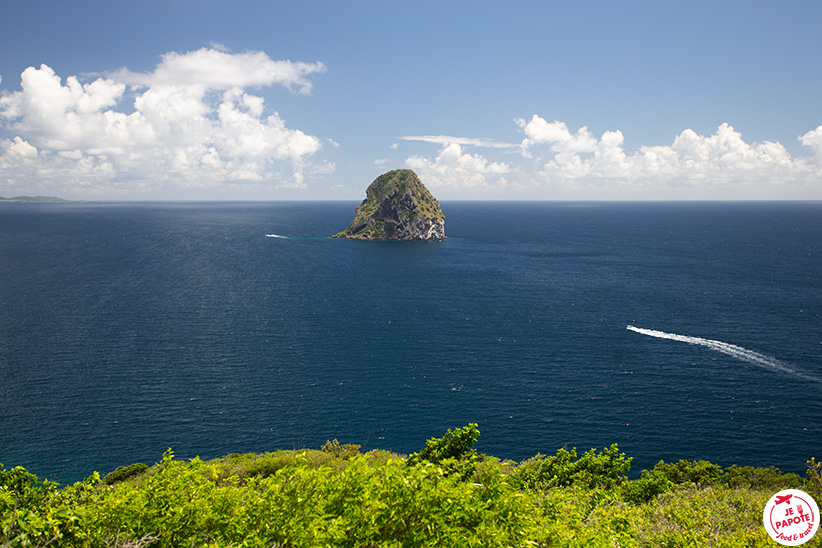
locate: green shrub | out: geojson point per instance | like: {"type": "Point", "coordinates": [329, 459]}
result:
{"type": "Point", "coordinates": [346, 451]}
{"type": "Point", "coordinates": [124, 472]}
{"type": "Point", "coordinates": [31, 513]}
{"type": "Point", "coordinates": [269, 464]}
{"type": "Point", "coordinates": [759, 478]}
{"type": "Point", "coordinates": [714, 516]}
{"type": "Point", "coordinates": [454, 444]}
{"type": "Point", "coordinates": [576, 517]}
{"type": "Point", "coordinates": [699, 472]}
{"type": "Point", "coordinates": [646, 488]}
{"type": "Point", "coordinates": [453, 452]}
{"type": "Point", "coordinates": [815, 473]}
{"type": "Point", "coordinates": [602, 469]}
{"type": "Point", "coordinates": [703, 474]}
{"type": "Point", "coordinates": [593, 469]}
{"type": "Point", "coordinates": [379, 457]}
{"type": "Point", "coordinates": [23, 487]}
{"type": "Point", "coordinates": [541, 472]}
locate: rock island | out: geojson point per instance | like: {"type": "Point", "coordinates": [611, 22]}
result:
{"type": "Point", "coordinates": [397, 206]}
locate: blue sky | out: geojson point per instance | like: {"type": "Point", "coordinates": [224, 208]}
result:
{"type": "Point", "coordinates": [246, 100]}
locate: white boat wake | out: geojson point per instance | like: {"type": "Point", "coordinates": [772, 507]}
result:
{"type": "Point", "coordinates": [731, 349]}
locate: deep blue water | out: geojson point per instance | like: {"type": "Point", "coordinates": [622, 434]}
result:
{"type": "Point", "coordinates": [130, 328]}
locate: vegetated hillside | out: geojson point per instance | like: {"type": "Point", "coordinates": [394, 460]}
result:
{"type": "Point", "coordinates": [397, 206]}
{"type": "Point", "coordinates": [444, 495]}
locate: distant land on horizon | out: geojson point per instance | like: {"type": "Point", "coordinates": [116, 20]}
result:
{"type": "Point", "coordinates": [33, 199]}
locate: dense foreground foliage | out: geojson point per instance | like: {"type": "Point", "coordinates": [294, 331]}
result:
{"type": "Point", "coordinates": [445, 495]}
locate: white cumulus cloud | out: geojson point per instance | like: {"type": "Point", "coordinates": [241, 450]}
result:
{"type": "Point", "coordinates": [17, 147]}
{"type": "Point", "coordinates": [557, 162]}
{"type": "Point", "coordinates": [719, 165]}
{"type": "Point", "coordinates": [557, 134]}
{"type": "Point", "coordinates": [453, 168]}
{"type": "Point", "coordinates": [813, 140]}
{"type": "Point", "coordinates": [190, 122]}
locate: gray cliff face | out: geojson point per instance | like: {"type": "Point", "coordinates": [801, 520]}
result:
{"type": "Point", "coordinates": [397, 207]}
{"type": "Point", "coordinates": [396, 226]}
{"type": "Point", "coordinates": [424, 229]}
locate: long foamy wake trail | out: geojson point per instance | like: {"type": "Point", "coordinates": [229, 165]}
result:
{"type": "Point", "coordinates": [731, 349]}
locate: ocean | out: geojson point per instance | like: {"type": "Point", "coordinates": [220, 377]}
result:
{"type": "Point", "coordinates": [676, 330]}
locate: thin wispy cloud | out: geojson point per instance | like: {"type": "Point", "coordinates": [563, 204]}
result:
{"type": "Point", "coordinates": [464, 141]}
{"type": "Point", "coordinates": [219, 70]}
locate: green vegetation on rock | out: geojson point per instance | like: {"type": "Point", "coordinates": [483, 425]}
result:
{"type": "Point", "coordinates": [397, 206]}
{"type": "Point", "coordinates": [445, 495]}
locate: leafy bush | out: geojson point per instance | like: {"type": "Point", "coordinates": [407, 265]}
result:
{"type": "Point", "coordinates": [379, 457]}
{"type": "Point", "coordinates": [341, 451]}
{"type": "Point", "coordinates": [646, 488]}
{"type": "Point", "coordinates": [24, 488]}
{"type": "Point", "coordinates": [601, 469]}
{"type": "Point", "coordinates": [593, 469]}
{"type": "Point", "coordinates": [699, 472]}
{"type": "Point", "coordinates": [124, 472]}
{"type": "Point", "coordinates": [815, 473]}
{"type": "Point", "coordinates": [703, 474]}
{"type": "Point", "coordinates": [266, 465]}
{"type": "Point", "coordinates": [454, 444]}
{"type": "Point", "coordinates": [704, 516]}
{"type": "Point", "coordinates": [30, 510]}
{"type": "Point", "coordinates": [453, 452]}
{"type": "Point", "coordinates": [764, 478]}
